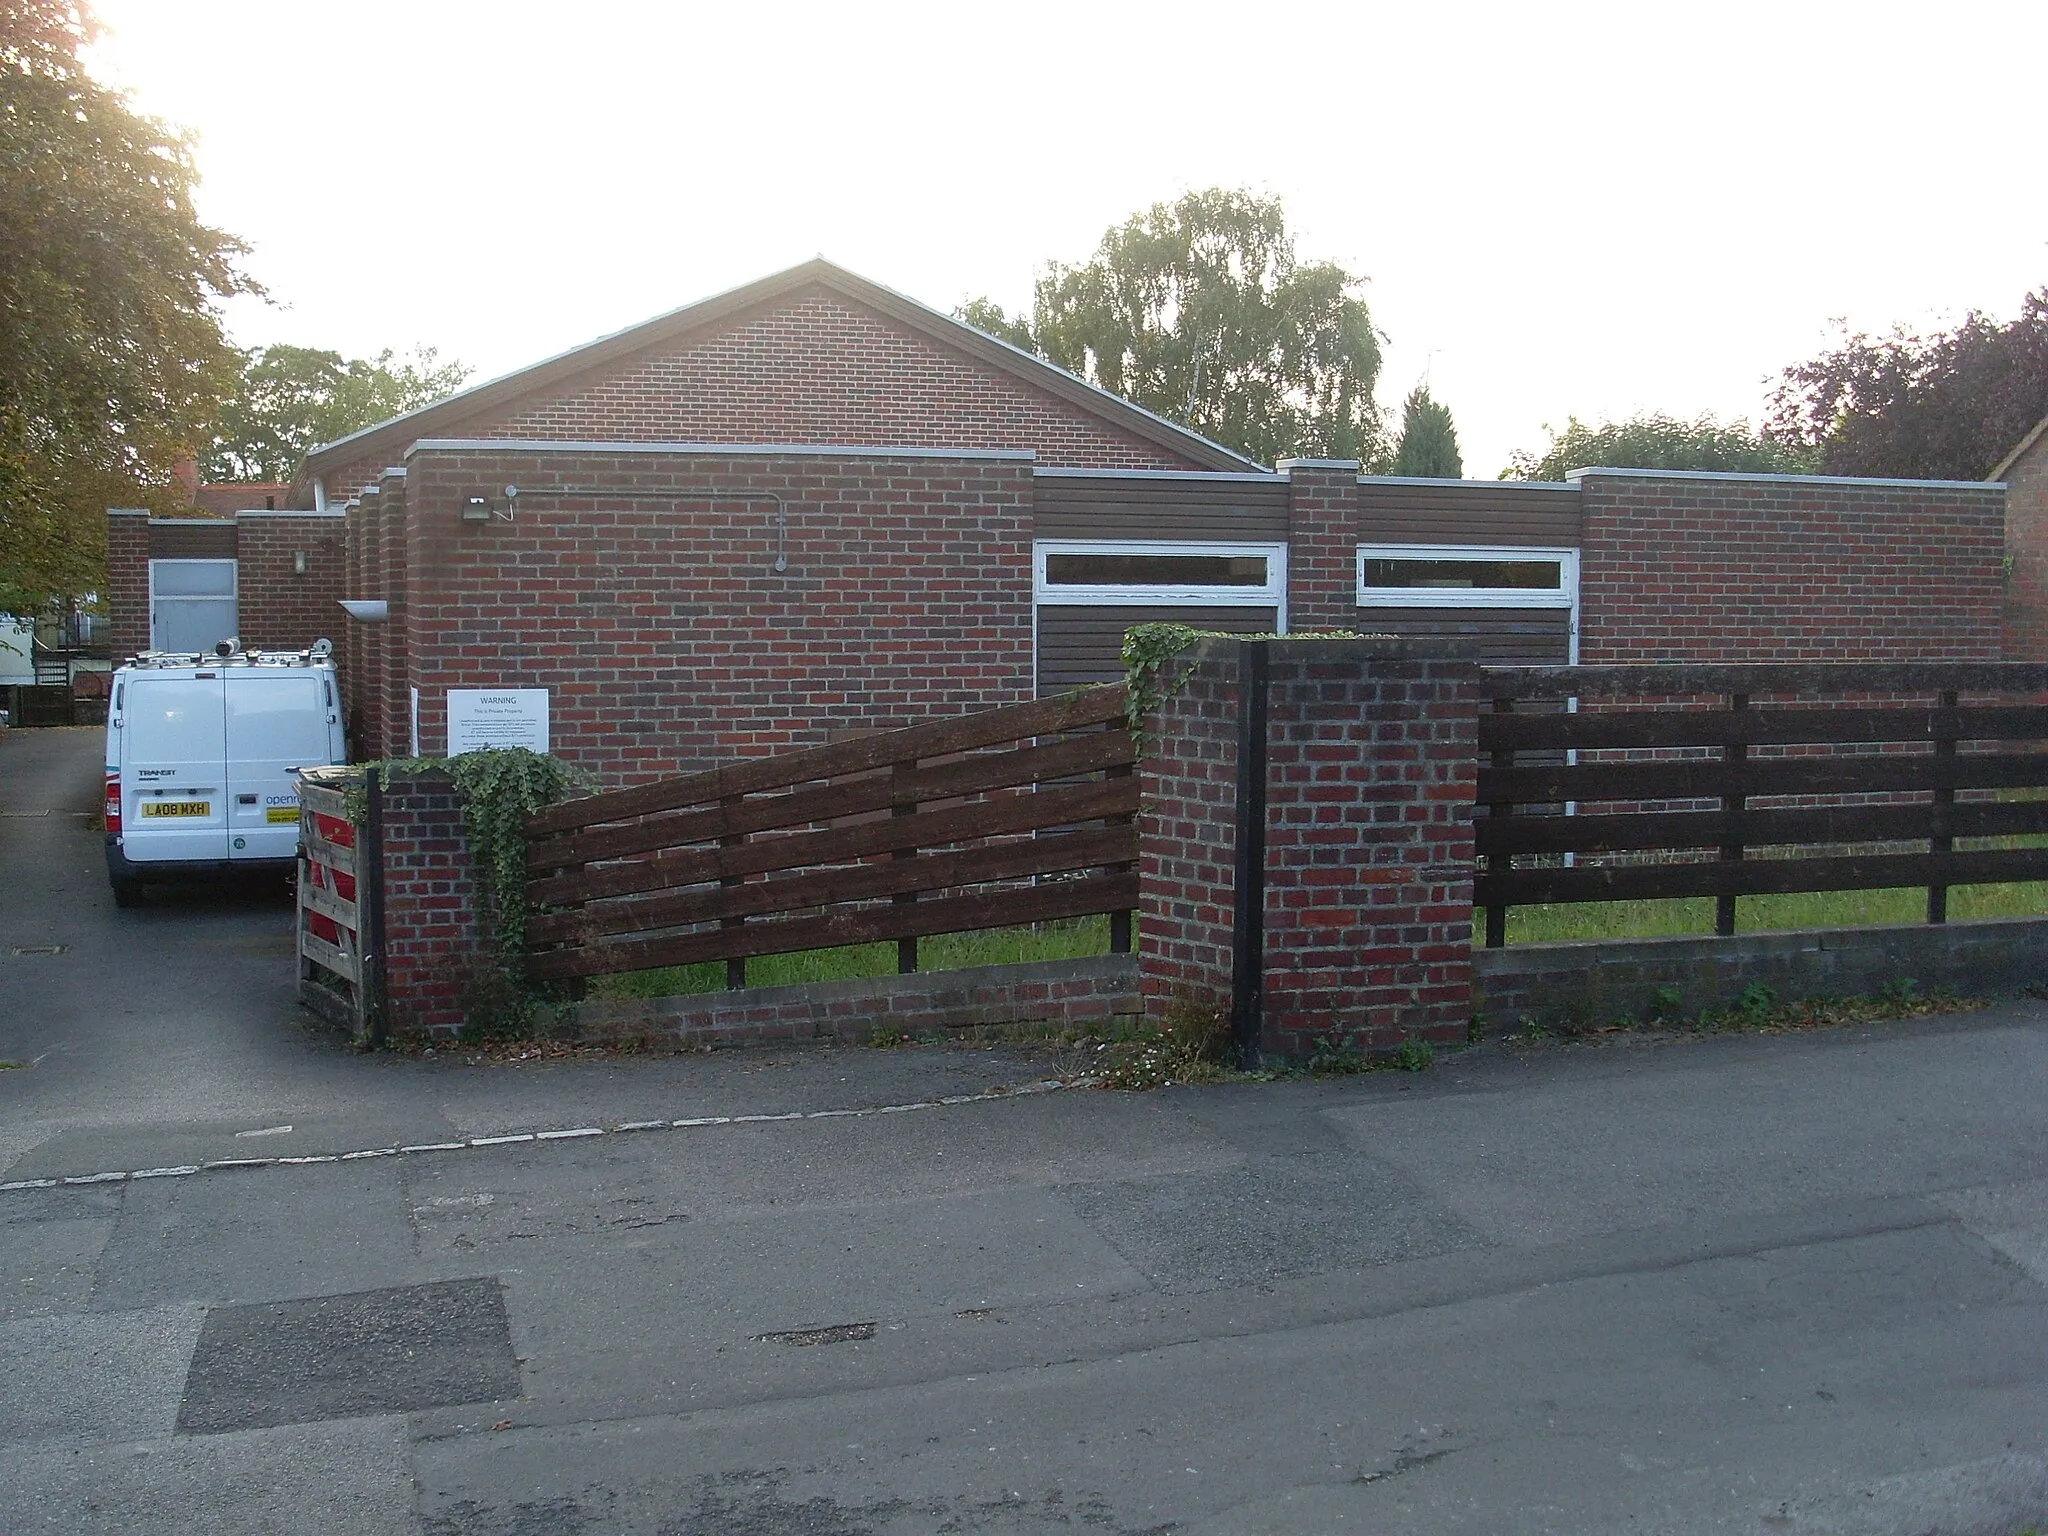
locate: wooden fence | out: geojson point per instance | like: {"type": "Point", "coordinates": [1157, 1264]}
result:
{"type": "Point", "coordinates": [1851, 756]}
{"type": "Point", "coordinates": [332, 980]}
{"type": "Point", "coordinates": [1011, 816]}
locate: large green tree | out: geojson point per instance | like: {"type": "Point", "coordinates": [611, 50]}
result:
{"type": "Point", "coordinates": [1428, 446]}
{"type": "Point", "coordinates": [1200, 311]}
{"type": "Point", "coordinates": [292, 399]}
{"type": "Point", "coordinates": [1943, 407]}
{"type": "Point", "coordinates": [111, 354]}
{"type": "Point", "coordinates": [1655, 441]}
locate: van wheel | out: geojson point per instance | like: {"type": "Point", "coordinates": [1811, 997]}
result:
{"type": "Point", "coordinates": [127, 893]}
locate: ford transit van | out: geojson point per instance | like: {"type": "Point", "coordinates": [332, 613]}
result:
{"type": "Point", "coordinates": [203, 754]}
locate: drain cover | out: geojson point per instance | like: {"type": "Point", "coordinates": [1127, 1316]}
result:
{"type": "Point", "coordinates": [337, 1357]}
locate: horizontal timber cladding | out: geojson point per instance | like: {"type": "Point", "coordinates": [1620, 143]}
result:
{"type": "Point", "coordinates": [1502, 636]}
{"type": "Point", "coordinates": [1467, 512]}
{"type": "Point", "coordinates": [192, 539]}
{"type": "Point", "coordinates": [1159, 507]}
{"type": "Point", "coordinates": [1083, 644]}
{"type": "Point", "coordinates": [1008, 816]}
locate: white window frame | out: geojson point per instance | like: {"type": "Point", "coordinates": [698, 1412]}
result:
{"type": "Point", "coordinates": [1564, 595]}
{"type": "Point", "coordinates": [1115, 595]}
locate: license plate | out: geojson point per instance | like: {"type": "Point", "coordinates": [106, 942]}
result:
{"type": "Point", "coordinates": [177, 807]}
{"type": "Point", "coordinates": [278, 815]}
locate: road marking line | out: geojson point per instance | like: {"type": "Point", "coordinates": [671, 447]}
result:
{"type": "Point", "coordinates": [572, 1133]}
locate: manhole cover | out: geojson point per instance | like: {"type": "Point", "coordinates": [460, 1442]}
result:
{"type": "Point", "coordinates": [41, 949]}
{"type": "Point", "coordinates": [338, 1357]}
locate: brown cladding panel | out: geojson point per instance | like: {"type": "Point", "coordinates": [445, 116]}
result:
{"type": "Point", "coordinates": [1468, 512]}
{"type": "Point", "coordinates": [194, 540]}
{"type": "Point", "coordinates": [1505, 636]}
{"type": "Point", "coordinates": [1160, 507]}
{"type": "Point", "coordinates": [1082, 645]}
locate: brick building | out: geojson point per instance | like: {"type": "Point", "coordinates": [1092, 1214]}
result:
{"type": "Point", "coordinates": [2024, 472]}
{"type": "Point", "coordinates": [812, 506]}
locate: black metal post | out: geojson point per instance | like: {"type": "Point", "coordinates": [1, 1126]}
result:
{"type": "Point", "coordinates": [1248, 890]}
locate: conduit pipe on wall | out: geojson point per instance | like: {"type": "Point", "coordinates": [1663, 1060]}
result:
{"type": "Point", "coordinates": [781, 563]}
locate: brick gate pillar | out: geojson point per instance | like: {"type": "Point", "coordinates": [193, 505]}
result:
{"type": "Point", "coordinates": [1371, 763]}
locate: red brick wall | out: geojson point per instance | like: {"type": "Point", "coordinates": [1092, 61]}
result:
{"type": "Point", "coordinates": [434, 955]}
{"type": "Point", "coordinates": [1371, 768]}
{"type": "Point", "coordinates": [815, 368]}
{"type": "Point", "coordinates": [667, 640]}
{"type": "Point", "coordinates": [2026, 543]}
{"type": "Point", "coordinates": [394, 725]}
{"type": "Point", "coordinates": [280, 609]}
{"type": "Point", "coordinates": [1187, 837]}
{"type": "Point", "coordinates": [127, 582]}
{"type": "Point", "coordinates": [1683, 567]}
{"type": "Point", "coordinates": [1322, 544]}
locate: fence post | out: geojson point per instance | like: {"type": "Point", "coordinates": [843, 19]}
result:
{"type": "Point", "coordinates": [906, 949]}
{"type": "Point", "coordinates": [1497, 863]}
{"type": "Point", "coordinates": [1731, 851]}
{"type": "Point", "coordinates": [1943, 841]}
{"type": "Point", "coordinates": [1248, 877]}
{"type": "Point", "coordinates": [736, 967]}
{"type": "Point", "coordinates": [1120, 922]}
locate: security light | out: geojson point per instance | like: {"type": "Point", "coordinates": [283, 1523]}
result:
{"type": "Point", "coordinates": [477, 509]}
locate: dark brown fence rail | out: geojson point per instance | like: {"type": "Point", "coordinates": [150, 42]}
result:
{"type": "Point", "coordinates": [1880, 767]}
{"type": "Point", "coordinates": [847, 844]}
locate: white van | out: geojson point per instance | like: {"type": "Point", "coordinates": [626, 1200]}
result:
{"type": "Point", "coordinates": [202, 760]}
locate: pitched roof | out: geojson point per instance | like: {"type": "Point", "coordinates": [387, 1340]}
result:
{"type": "Point", "coordinates": [2019, 448]}
{"type": "Point", "coordinates": [387, 439]}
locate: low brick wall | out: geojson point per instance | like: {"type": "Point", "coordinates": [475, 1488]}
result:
{"type": "Point", "coordinates": [1600, 982]}
{"type": "Point", "coordinates": [434, 954]}
{"type": "Point", "coordinates": [1060, 993]}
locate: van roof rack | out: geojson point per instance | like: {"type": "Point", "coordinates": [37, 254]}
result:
{"type": "Point", "coordinates": [230, 653]}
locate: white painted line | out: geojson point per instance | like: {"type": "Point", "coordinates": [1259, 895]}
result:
{"type": "Point", "coordinates": [268, 1130]}
{"type": "Point", "coordinates": [571, 1133]}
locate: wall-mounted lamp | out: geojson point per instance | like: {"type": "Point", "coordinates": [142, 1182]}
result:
{"type": "Point", "coordinates": [481, 509]}
{"type": "Point", "coordinates": [298, 562]}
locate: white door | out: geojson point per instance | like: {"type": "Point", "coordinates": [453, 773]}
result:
{"type": "Point", "coordinates": [173, 768]}
{"type": "Point", "coordinates": [279, 719]}
{"type": "Point", "coordinates": [193, 604]}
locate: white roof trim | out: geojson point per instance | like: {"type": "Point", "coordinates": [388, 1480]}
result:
{"type": "Point", "coordinates": [715, 450]}
{"type": "Point", "coordinates": [1576, 475]}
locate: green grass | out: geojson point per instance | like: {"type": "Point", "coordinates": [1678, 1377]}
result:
{"type": "Point", "coordinates": [1073, 939]}
{"type": "Point", "coordinates": [1548, 924]}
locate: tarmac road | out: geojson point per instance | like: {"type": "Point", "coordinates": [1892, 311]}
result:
{"type": "Point", "coordinates": [1772, 1285]}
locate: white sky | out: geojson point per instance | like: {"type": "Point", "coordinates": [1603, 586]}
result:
{"type": "Point", "coordinates": [1561, 208]}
